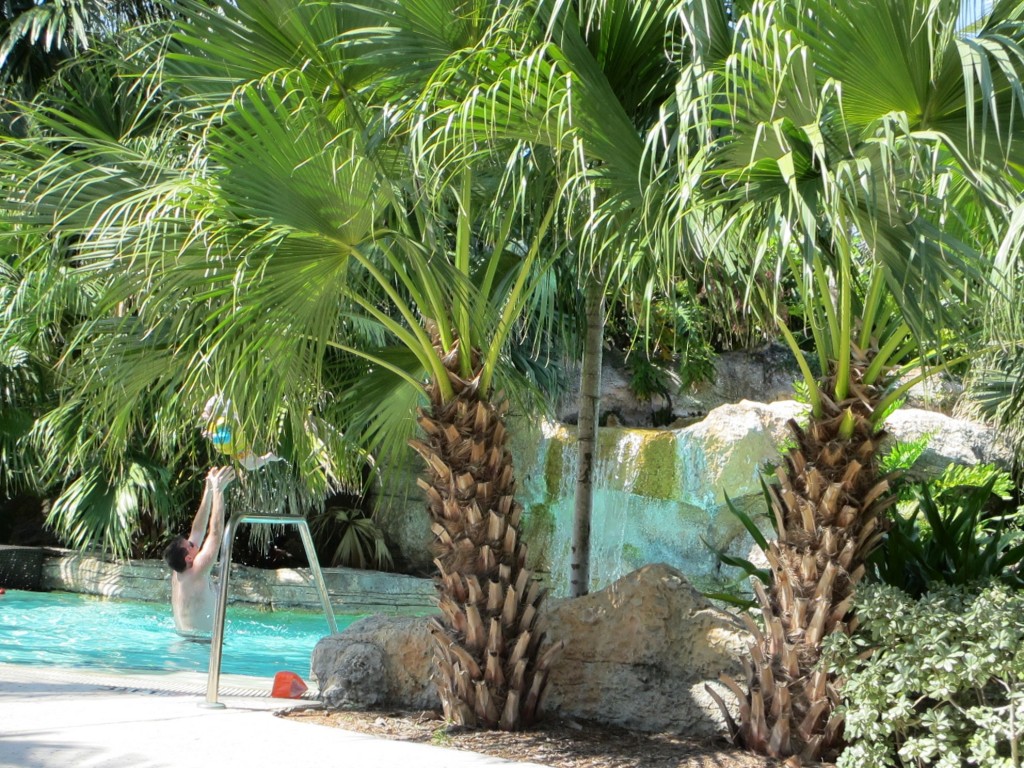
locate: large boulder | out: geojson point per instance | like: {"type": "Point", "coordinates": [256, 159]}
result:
{"type": "Point", "coordinates": [724, 454]}
{"type": "Point", "coordinates": [357, 677]}
{"type": "Point", "coordinates": [377, 661]}
{"type": "Point", "coordinates": [950, 440]}
{"type": "Point", "coordinates": [638, 654]}
{"type": "Point", "coordinates": [767, 373]}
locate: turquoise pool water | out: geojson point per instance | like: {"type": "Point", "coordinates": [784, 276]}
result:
{"type": "Point", "coordinates": [71, 630]}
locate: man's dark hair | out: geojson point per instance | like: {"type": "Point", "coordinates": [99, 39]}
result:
{"type": "Point", "coordinates": [175, 553]}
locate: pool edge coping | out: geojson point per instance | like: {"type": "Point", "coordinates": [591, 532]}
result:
{"type": "Point", "coordinates": [178, 682]}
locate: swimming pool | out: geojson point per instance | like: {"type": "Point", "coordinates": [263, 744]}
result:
{"type": "Point", "coordinates": [73, 630]}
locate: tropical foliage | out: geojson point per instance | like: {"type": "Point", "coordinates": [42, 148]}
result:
{"type": "Point", "coordinates": [935, 681]}
{"type": "Point", "coordinates": [959, 529]}
{"type": "Point", "coordinates": [366, 224]}
{"type": "Point", "coordinates": [108, 503]}
{"type": "Point", "coordinates": [270, 240]}
{"type": "Point", "coordinates": [26, 355]}
{"type": "Point", "coordinates": [349, 537]}
{"type": "Point", "coordinates": [996, 384]}
{"type": "Point", "coordinates": [38, 37]}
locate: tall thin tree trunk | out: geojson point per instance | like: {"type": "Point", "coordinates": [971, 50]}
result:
{"type": "Point", "coordinates": [586, 440]}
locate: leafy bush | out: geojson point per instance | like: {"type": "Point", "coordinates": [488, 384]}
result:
{"type": "Point", "coordinates": [959, 476]}
{"type": "Point", "coordinates": [956, 529]}
{"type": "Point", "coordinates": [687, 326]}
{"type": "Point", "coordinates": [937, 682]}
{"type": "Point", "coordinates": [647, 380]}
{"type": "Point", "coordinates": [122, 511]}
{"type": "Point", "coordinates": [351, 537]}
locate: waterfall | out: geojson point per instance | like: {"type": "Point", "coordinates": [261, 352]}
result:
{"type": "Point", "coordinates": [658, 493]}
{"type": "Point", "coordinates": [636, 517]}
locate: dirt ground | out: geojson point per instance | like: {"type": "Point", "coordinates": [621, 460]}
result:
{"type": "Point", "coordinates": [554, 743]}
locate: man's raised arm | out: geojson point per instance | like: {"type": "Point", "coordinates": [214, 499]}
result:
{"type": "Point", "coordinates": [218, 479]}
{"type": "Point", "coordinates": [202, 517]}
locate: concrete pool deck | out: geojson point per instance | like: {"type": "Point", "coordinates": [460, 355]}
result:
{"type": "Point", "coordinates": [52, 718]}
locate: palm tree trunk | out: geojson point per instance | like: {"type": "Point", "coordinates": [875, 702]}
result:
{"type": "Point", "coordinates": [829, 505]}
{"type": "Point", "coordinates": [491, 662]}
{"type": "Point", "coordinates": [586, 437]}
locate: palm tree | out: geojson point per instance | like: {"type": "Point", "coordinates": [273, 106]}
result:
{"type": "Point", "coordinates": [49, 447]}
{"type": "Point", "coordinates": [996, 383]}
{"type": "Point", "coordinates": [867, 183]}
{"type": "Point", "coordinates": [36, 38]}
{"type": "Point", "coordinates": [278, 238]}
{"type": "Point", "coordinates": [42, 303]}
{"type": "Point", "coordinates": [26, 354]}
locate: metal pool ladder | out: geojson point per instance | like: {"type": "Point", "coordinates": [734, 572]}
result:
{"type": "Point", "coordinates": [217, 644]}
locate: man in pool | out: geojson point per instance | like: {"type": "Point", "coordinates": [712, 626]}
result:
{"type": "Point", "coordinates": [191, 559]}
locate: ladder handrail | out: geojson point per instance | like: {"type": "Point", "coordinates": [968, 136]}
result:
{"type": "Point", "coordinates": [226, 546]}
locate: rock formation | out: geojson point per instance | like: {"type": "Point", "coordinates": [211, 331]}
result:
{"type": "Point", "coordinates": [638, 655]}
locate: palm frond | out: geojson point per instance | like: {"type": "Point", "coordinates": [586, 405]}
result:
{"type": "Point", "coordinates": [96, 509]}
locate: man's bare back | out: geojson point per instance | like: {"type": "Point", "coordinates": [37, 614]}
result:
{"type": "Point", "coordinates": [193, 601]}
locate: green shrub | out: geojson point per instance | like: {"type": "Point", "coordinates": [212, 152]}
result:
{"type": "Point", "coordinates": [944, 685]}
{"type": "Point", "coordinates": [647, 380]}
{"type": "Point", "coordinates": [957, 529]}
{"type": "Point", "coordinates": [351, 537]}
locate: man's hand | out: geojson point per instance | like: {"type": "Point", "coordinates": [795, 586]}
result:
{"type": "Point", "coordinates": [220, 478]}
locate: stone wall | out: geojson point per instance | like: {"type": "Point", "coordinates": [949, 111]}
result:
{"type": "Point", "coordinates": [352, 591]}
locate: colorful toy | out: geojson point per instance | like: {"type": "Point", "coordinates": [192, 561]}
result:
{"type": "Point", "coordinates": [223, 441]}
{"type": "Point", "coordinates": [218, 419]}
